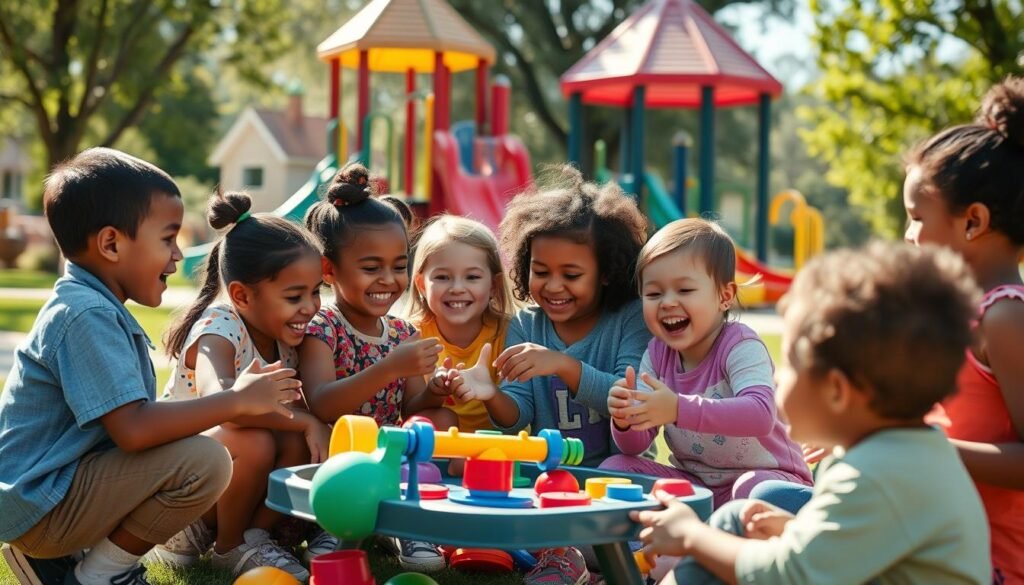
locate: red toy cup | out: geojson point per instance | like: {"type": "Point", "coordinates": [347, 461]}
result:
{"type": "Point", "coordinates": [343, 567]}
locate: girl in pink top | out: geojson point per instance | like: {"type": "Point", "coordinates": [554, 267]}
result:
{"type": "Point", "coordinates": [706, 380]}
{"type": "Point", "coordinates": [965, 190]}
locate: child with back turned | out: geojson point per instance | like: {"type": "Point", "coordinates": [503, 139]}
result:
{"type": "Point", "coordinates": [965, 190]}
{"type": "Point", "coordinates": [706, 380]}
{"type": "Point", "coordinates": [872, 338]}
{"type": "Point", "coordinates": [88, 457]}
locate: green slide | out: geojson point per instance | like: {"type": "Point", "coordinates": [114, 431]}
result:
{"type": "Point", "coordinates": [294, 208]}
{"type": "Point", "coordinates": [661, 208]}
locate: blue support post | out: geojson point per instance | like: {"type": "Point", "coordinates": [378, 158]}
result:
{"type": "Point", "coordinates": [763, 175]}
{"type": "Point", "coordinates": [707, 150]}
{"type": "Point", "coordinates": [637, 146]}
{"type": "Point", "coordinates": [576, 129]}
{"type": "Point", "coordinates": [681, 144]}
{"type": "Point", "coordinates": [625, 138]}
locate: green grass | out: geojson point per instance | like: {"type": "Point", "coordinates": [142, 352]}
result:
{"type": "Point", "coordinates": [17, 278]}
{"type": "Point", "coordinates": [20, 314]}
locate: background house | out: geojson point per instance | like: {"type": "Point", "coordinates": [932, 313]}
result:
{"type": "Point", "coordinates": [15, 164]}
{"type": "Point", "coordinates": [269, 153]}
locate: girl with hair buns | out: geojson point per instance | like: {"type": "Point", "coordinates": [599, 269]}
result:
{"type": "Point", "coordinates": [269, 270]}
{"type": "Point", "coordinates": [965, 190]}
{"type": "Point", "coordinates": [356, 358]}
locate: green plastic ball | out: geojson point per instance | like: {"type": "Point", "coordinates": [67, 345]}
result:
{"type": "Point", "coordinates": [346, 492]}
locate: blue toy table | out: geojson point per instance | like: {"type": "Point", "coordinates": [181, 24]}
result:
{"type": "Point", "coordinates": [604, 524]}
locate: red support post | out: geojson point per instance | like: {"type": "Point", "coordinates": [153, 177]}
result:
{"type": "Point", "coordinates": [441, 93]}
{"type": "Point", "coordinates": [410, 131]}
{"type": "Point", "coordinates": [334, 102]}
{"type": "Point", "coordinates": [364, 96]}
{"type": "Point", "coordinates": [481, 98]}
{"type": "Point", "coordinates": [500, 106]}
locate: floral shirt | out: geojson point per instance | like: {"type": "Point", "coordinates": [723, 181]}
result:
{"type": "Point", "coordinates": [355, 351]}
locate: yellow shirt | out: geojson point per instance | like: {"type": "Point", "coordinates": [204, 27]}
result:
{"type": "Point", "coordinates": [472, 415]}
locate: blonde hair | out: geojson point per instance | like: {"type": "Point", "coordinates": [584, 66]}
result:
{"type": "Point", "coordinates": [443, 230]}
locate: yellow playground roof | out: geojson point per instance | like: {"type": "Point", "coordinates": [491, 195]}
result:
{"type": "Point", "coordinates": [404, 34]}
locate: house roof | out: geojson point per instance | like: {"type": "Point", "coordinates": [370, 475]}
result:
{"type": "Point", "coordinates": [399, 35]}
{"type": "Point", "coordinates": [672, 48]}
{"type": "Point", "coordinates": [306, 142]}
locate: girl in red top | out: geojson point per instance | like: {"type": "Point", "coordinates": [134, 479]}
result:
{"type": "Point", "coordinates": [965, 190]}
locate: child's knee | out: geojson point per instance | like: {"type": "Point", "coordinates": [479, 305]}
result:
{"type": "Point", "coordinates": [291, 449]}
{"type": "Point", "coordinates": [254, 448]}
{"type": "Point", "coordinates": [207, 464]}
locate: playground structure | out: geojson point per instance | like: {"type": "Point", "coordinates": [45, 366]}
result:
{"type": "Point", "coordinates": [668, 54]}
{"type": "Point", "coordinates": [359, 491]}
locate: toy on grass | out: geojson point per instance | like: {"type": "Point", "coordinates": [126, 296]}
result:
{"type": "Point", "coordinates": [266, 576]}
{"type": "Point", "coordinates": [410, 579]}
{"type": "Point", "coordinates": [365, 462]}
{"type": "Point", "coordinates": [343, 567]}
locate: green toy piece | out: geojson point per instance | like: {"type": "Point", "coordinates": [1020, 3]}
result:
{"type": "Point", "coordinates": [410, 579]}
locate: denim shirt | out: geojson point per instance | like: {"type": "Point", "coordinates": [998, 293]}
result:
{"type": "Point", "coordinates": [85, 357]}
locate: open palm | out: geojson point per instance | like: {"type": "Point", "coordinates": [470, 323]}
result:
{"type": "Point", "coordinates": [475, 383]}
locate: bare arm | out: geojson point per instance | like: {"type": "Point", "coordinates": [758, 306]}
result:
{"type": "Point", "coordinates": [1002, 464]}
{"type": "Point", "coordinates": [213, 359]}
{"type": "Point", "coordinates": [330, 397]}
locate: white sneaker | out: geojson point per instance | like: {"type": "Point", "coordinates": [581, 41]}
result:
{"type": "Point", "coordinates": [259, 551]}
{"type": "Point", "coordinates": [321, 544]}
{"type": "Point", "coordinates": [185, 547]}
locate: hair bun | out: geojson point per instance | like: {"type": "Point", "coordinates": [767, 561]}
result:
{"type": "Point", "coordinates": [350, 186]}
{"type": "Point", "coordinates": [224, 209]}
{"type": "Point", "coordinates": [1002, 110]}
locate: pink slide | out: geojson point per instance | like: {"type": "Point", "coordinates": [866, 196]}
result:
{"type": "Point", "coordinates": [505, 172]}
{"type": "Point", "coordinates": [775, 283]}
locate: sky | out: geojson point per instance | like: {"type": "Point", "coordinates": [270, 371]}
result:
{"type": "Point", "coordinates": [772, 39]}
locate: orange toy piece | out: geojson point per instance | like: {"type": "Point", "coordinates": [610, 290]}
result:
{"type": "Point", "coordinates": [266, 576]}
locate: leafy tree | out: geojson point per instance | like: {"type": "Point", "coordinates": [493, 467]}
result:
{"type": "Point", "coordinates": [98, 66]}
{"type": "Point", "coordinates": [892, 74]}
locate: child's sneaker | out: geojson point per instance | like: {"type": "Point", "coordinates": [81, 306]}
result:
{"type": "Point", "coordinates": [320, 544]}
{"type": "Point", "coordinates": [559, 566]}
{"type": "Point", "coordinates": [416, 555]}
{"type": "Point", "coordinates": [259, 551]}
{"type": "Point", "coordinates": [32, 571]}
{"type": "Point", "coordinates": [133, 576]}
{"type": "Point", "coordinates": [185, 547]}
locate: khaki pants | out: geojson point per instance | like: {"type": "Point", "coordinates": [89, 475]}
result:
{"type": "Point", "coordinates": [154, 494]}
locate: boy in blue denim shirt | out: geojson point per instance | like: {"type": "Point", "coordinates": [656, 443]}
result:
{"type": "Point", "coordinates": [88, 457]}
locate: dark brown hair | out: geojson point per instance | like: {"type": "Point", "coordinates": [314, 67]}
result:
{"type": "Point", "coordinates": [894, 318]}
{"type": "Point", "coordinates": [704, 238]}
{"type": "Point", "coordinates": [348, 205]}
{"type": "Point", "coordinates": [568, 207]}
{"type": "Point", "coordinates": [101, 187]}
{"type": "Point", "coordinates": [982, 162]}
{"type": "Point", "coordinates": [253, 250]}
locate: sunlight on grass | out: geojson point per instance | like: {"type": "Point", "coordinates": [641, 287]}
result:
{"type": "Point", "coordinates": [17, 278]}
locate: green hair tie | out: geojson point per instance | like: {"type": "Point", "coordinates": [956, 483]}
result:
{"type": "Point", "coordinates": [243, 217]}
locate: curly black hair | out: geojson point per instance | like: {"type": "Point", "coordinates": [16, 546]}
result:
{"type": "Point", "coordinates": [568, 207]}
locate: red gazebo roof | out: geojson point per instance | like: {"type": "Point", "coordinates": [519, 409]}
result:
{"type": "Point", "coordinates": [673, 48]}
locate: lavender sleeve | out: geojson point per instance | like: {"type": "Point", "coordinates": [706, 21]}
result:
{"type": "Point", "coordinates": [632, 442]}
{"type": "Point", "coordinates": [750, 412]}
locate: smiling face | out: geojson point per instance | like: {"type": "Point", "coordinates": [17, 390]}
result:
{"type": "Point", "coordinates": [146, 260]}
{"type": "Point", "coordinates": [457, 285]}
{"type": "Point", "coordinates": [566, 283]}
{"type": "Point", "coordinates": [682, 305]}
{"type": "Point", "coordinates": [280, 308]}
{"type": "Point", "coordinates": [371, 275]}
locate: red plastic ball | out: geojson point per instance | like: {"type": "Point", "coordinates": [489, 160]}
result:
{"type": "Point", "coordinates": [557, 480]}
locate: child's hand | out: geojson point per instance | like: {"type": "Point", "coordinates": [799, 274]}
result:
{"type": "Point", "coordinates": [265, 390]}
{"type": "Point", "coordinates": [620, 396]}
{"type": "Point", "coordinates": [474, 383]}
{"type": "Point", "coordinates": [656, 409]}
{"type": "Point", "coordinates": [525, 361]}
{"type": "Point", "coordinates": [813, 453]}
{"type": "Point", "coordinates": [318, 439]}
{"type": "Point", "coordinates": [665, 530]}
{"type": "Point", "coordinates": [440, 382]}
{"type": "Point", "coordinates": [414, 357]}
{"type": "Point", "coordinates": [762, 520]}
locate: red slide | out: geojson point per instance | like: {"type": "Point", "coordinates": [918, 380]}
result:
{"type": "Point", "coordinates": [775, 283]}
{"type": "Point", "coordinates": [505, 172]}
